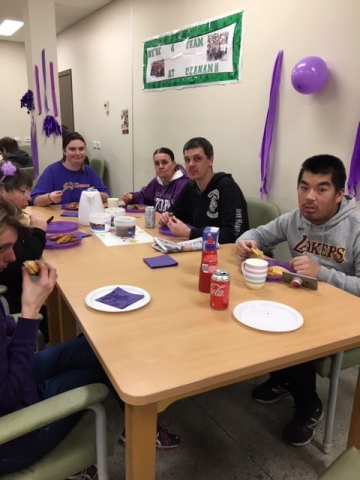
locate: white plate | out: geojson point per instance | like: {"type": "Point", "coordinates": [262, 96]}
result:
{"type": "Point", "coordinates": [268, 316]}
{"type": "Point", "coordinates": [90, 298]}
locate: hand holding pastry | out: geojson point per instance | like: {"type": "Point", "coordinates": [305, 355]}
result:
{"type": "Point", "coordinates": [127, 197]}
{"type": "Point", "coordinates": [178, 228]}
{"type": "Point", "coordinates": [56, 196]}
{"type": "Point", "coordinates": [244, 248]}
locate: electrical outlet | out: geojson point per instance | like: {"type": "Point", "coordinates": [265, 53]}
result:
{"type": "Point", "coordinates": [98, 145]}
{"type": "Point", "coordinates": [27, 139]}
{"type": "Point", "coordinates": [94, 144]}
{"type": "Point", "coordinates": [18, 139]}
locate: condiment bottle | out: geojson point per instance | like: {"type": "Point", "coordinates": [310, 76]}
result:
{"type": "Point", "coordinates": [208, 264]}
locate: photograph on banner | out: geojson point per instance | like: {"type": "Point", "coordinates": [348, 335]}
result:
{"type": "Point", "coordinates": [125, 121]}
{"type": "Point", "coordinates": [200, 54]}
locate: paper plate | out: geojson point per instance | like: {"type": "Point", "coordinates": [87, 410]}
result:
{"type": "Point", "coordinates": [278, 278]}
{"type": "Point", "coordinates": [141, 209]}
{"type": "Point", "coordinates": [268, 316]}
{"type": "Point", "coordinates": [90, 298]}
{"type": "Point", "coordinates": [52, 245]}
{"type": "Point", "coordinates": [165, 230]}
{"type": "Point", "coordinates": [62, 227]}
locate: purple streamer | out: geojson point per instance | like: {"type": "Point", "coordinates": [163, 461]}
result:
{"type": "Point", "coordinates": [51, 126]}
{"type": "Point", "coordinates": [27, 101]}
{"type": "Point", "coordinates": [269, 123]}
{"type": "Point", "coordinates": [354, 175]}
{"type": "Point", "coordinates": [43, 62]}
{"type": "Point", "coordinates": [34, 147]}
{"type": "Point", "coordinates": [37, 86]}
{"type": "Point", "coordinates": [53, 91]}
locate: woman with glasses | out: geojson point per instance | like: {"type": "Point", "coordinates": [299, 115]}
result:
{"type": "Point", "coordinates": [15, 187]}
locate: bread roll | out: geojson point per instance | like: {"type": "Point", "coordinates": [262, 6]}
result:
{"type": "Point", "coordinates": [32, 267]}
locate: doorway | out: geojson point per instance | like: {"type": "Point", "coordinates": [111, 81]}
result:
{"type": "Point", "coordinates": [66, 99]}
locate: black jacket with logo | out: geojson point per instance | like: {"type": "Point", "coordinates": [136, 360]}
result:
{"type": "Point", "coordinates": [221, 204]}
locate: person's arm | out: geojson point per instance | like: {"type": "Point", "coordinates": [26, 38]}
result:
{"type": "Point", "coordinates": [45, 193]}
{"type": "Point", "coordinates": [146, 195]}
{"type": "Point", "coordinates": [33, 246]}
{"type": "Point", "coordinates": [182, 205]}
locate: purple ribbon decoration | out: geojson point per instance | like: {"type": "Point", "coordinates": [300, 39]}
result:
{"type": "Point", "coordinates": [53, 91]}
{"type": "Point", "coordinates": [37, 86]}
{"type": "Point", "coordinates": [269, 123]}
{"type": "Point", "coordinates": [354, 175]}
{"type": "Point", "coordinates": [43, 62]}
{"type": "Point", "coordinates": [34, 147]}
{"type": "Point", "coordinates": [51, 126]}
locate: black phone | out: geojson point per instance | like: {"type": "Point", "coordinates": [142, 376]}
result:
{"type": "Point", "coordinates": [300, 281]}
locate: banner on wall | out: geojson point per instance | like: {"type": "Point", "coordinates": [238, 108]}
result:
{"type": "Point", "coordinates": [197, 55]}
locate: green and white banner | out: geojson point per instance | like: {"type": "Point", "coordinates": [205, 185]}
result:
{"type": "Point", "coordinates": [200, 54]}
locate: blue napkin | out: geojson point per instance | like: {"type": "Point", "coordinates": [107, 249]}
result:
{"type": "Point", "coordinates": [160, 261]}
{"type": "Point", "coordinates": [69, 214]}
{"type": "Point", "coordinates": [119, 298]}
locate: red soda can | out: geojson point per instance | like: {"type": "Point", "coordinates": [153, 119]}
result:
{"type": "Point", "coordinates": [220, 289]}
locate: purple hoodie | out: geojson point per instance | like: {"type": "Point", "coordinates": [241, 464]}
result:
{"type": "Point", "coordinates": [17, 384]}
{"type": "Point", "coordinates": [159, 195]}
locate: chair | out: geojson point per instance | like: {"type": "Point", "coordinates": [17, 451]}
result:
{"type": "Point", "coordinates": [98, 165]}
{"type": "Point", "coordinates": [345, 467]}
{"type": "Point", "coordinates": [29, 172]}
{"type": "Point", "coordinates": [88, 443]}
{"type": "Point", "coordinates": [261, 212]}
{"type": "Point", "coordinates": [330, 367]}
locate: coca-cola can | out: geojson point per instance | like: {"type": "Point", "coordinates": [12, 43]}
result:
{"type": "Point", "coordinates": [220, 289]}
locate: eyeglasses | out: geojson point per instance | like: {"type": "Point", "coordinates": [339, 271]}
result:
{"type": "Point", "coordinates": [26, 192]}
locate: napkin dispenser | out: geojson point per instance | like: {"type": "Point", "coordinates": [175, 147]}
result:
{"type": "Point", "coordinates": [90, 202]}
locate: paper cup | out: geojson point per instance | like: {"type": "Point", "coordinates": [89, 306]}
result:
{"type": "Point", "coordinates": [113, 202]}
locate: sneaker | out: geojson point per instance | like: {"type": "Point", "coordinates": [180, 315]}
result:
{"type": "Point", "coordinates": [164, 439]}
{"type": "Point", "coordinates": [90, 473]}
{"type": "Point", "coordinates": [270, 391]}
{"type": "Point", "coordinates": [301, 428]}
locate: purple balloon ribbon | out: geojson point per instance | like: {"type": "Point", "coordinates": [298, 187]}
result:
{"type": "Point", "coordinates": [53, 91]}
{"type": "Point", "coordinates": [34, 147]}
{"type": "Point", "coordinates": [38, 94]}
{"type": "Point", "coordinates": [43, 62]}
{"type": "Point", "coordinates": [354, 175]}
{"type": "Point", "coordinates": [269, 123]}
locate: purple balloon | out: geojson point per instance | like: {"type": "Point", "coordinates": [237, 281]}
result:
{"type": "Point", "coordinates": [309, 75]}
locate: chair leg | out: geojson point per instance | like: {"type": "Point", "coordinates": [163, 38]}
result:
{"type": "Point", "coordinates": [101, 441]}
{"type": "Point", "coordinates": [332, 398]}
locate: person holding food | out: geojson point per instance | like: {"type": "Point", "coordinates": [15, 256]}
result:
{"type": "Point", "coordinates": [323, 236]}
{"type": "Point", "coordinates": [15, 187]}
{"type": "Point", "coordinates": [165, 187]}
{"type": "Point", "coordinates": [208, 200]}
{"type": "Point", "coordinates": [63, 181]}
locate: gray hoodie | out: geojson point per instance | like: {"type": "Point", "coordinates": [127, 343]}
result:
{"type": "Point", "coordinates": [335, 245]}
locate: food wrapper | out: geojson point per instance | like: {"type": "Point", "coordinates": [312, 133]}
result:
{"type": "Point", "coordinates": [165, 246]}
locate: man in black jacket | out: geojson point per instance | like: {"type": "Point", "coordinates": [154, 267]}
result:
{"type": "Point", "coordinates": [9, 149]}
{"type": "Point", "coordinates": [208, 200]}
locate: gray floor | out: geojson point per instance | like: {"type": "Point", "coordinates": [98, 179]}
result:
{"type": "Point", "coordinates": [227, 436]}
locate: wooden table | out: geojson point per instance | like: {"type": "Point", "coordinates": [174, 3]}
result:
{"type": "Point", "coordinates": [177, 346]}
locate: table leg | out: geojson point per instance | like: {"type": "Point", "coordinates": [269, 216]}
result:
{"type": "Point", "coordinates": [140, 428]}
{"type": "Point", "coordinates": [61, 322]}
{"type": "Point", "coordinates": [354, 430]}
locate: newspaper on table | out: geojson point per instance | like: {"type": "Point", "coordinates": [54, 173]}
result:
{"type": "Point", "coordinates": [165, 246]}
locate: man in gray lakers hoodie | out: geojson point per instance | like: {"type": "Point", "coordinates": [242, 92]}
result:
{"type": "Point", "coordinates": [324, 240]}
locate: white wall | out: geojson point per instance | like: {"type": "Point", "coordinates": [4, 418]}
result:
{"type": "Point", "coordinates": [14, 121]}
{"type": "Point", "coordinates": [105, 54]}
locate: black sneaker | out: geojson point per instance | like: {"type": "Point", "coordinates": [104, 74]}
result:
{"type": "Point", "coordinates": [164, 439]}
{"type": "Point", "coordinates": [270, 391]}
{"type": "Point", "coordinates": [301, 428]}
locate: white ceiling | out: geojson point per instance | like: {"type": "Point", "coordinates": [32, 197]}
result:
{"type": "Point", "coordinates": [67, 12]}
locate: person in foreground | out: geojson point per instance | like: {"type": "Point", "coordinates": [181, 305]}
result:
{"type": "Point", "coordinates": [165, 187]}
{"type": "Point", "coordinates": [9, 149]}
{"type": "Point", "coordinates": [63, 181]}
{"type": "Point", "coordinates": [208, 199]}
{"type": "Point", "coordinates": [323, 235]}
{"type": "Point", "coordinates": [15, 187]}
{"type": "Point", "coordinates": [27, 377]}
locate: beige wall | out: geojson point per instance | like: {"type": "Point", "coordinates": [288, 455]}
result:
{"type": "Point", "coordinates": [105, 55]}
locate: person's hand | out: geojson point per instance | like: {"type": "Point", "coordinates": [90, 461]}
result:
{"type": "Point", "coordinates": [37, 222]}
{"type": "Point", "coordinates": [56, 196]}
{"type": "Point", "coordinates": [178, 228]}
{"type": "Point", "coordinates": [36, 292]}
{"type": "Point", "coordinates": [243, 248]}
{"type": "Point", "coordinates": [127, 197]}
{"type": "Point", "coordinates": [164, 218]}
{"type": "Point", "coordinates": [305, 266]}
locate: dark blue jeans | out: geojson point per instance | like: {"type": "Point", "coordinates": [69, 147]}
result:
{"type": "Point", "coordinates": [56, 370]}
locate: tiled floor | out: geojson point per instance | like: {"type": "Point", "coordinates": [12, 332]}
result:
{"type": "Point", "coordinates": [227, 436]}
